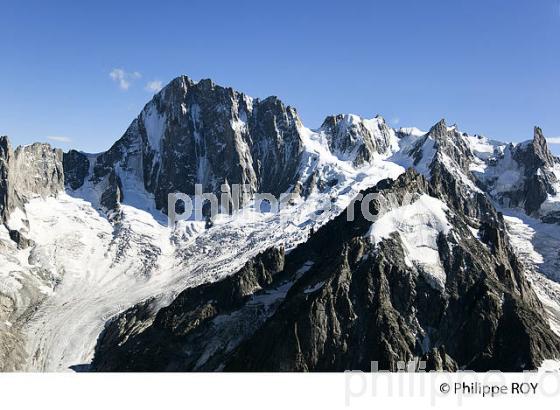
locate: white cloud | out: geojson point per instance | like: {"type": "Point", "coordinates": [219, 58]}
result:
{"type": "Point", "coordinates": [396, 120]}
{"type": "Point", "coordinates": [124, 78]}
{"type": "Point", "coordinates": [55, 138]}
{"type": "Point", "coordinates": [553, 140]}
{"type": "Point", "coordinates": [154, 86]}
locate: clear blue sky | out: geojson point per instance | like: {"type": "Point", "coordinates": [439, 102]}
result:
{"type": "Point", "coordinates": [491, 66]}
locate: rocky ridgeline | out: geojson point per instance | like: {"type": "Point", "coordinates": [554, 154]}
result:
{"type": "Point", "coordinates": [353, 304]}
{"type": "Point", "coordinates": [538, 179]}
{"type": "Point", "coordinates": [202, 133]}
{"type": "Point", "coordinates": [29, 171]}
{"type": "Point", "coordinates": [341, 299]}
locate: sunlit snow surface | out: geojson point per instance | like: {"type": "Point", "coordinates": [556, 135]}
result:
{"type": "Point", "coordinates": [107, 267]}
{"type": "Point", "coordinates": [418, 225]}
{"type": "Point", "coordinates": [85, 269]}
{"type": "Point", "coordinates": [538, 245]}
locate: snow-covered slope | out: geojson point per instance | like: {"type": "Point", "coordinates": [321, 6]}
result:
{"type": "Point", "coordinates": [418, 225]}
{"type": "Point", "coordinates": [71, 261]}
{"type": "Point", "coordinates": [357, 289]}
{"type": "Point", "coordinates": [537, 245]}
{"type": "Point", "coordinates": [106, 265]}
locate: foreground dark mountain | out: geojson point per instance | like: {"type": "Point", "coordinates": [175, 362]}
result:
{"type": "Point", "coordinates": [351, 303]}
{"type": "Point", "coordinates": [437, 274]}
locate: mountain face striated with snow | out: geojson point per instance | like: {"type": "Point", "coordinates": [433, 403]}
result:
{"type": "Point", "coordinates": [458, 265]}
{"type": "Point", "coordinates": [526, 176]}
{"type": "Point", "coordinates": [201, 133]}
{"type": "Point", "coordinates": [355, 139]}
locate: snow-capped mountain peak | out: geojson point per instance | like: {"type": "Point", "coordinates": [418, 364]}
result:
{"type": "Point", "coordinates": [92, 275]}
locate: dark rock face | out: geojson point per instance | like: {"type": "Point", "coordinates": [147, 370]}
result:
{"type": "Point", "coordinates": [450, 173]}
{"type": "Point", "coordinates": [449, 141]}
{"type": "Point", "coordinates": [5, 151]}
{"type": "Point", "coordinates": [21, 241]}
{"type": "Point", "coordinates": [519, 176]}
{"type": "Point", "coordinates": [112, 195]}
{"type": "Point", "coordinates": [76, 168]}
{"type": "Point", "coordinates": [536, 186]}
{"type": "Point", "coordinates": [201, 133]}
{"type": "Point", "coordinates": [378, 309]}
{"type": "Point", "coordinates": [355, 302]}
{"type": "Point", "coordinates": [535, 154]}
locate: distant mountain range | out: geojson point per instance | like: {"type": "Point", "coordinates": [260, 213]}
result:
{"type": "Point", "coordinates": [459, 267]}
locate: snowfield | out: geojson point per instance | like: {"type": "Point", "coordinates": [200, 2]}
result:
{"type": "Point", "coordinates": [102, 270]}
{"type": "Point", "coordinates": [418, 225]}
{"type": "Point", "coordinates": [104, 267]}
{"type": "Point", "coordinates": [87, 266]}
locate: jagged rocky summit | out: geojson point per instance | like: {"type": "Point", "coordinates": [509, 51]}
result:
{"type": "Point", "coordinates": [452, 269]}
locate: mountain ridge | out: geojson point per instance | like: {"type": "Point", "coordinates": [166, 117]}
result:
{"type": "Point", "coordinates": [109, 209]}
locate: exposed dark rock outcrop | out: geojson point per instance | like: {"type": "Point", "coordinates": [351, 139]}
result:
{"type": "Point", "coordinates": [182, 328]}
{"type": "Point", "coordinates": [76, 168]}
{"type": "Point", "coordinates": [534, 154]}
{"type": "Point", "coordinates": [201, 133]}
{"type": "Point", "coordinates": [5, 153]}
{"type": "Point", "coordinates": [112, 195]}
{"type": "Point", "coordinates": [21, 241]}
{"type": "Point", "coordinates": [356, 302]}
